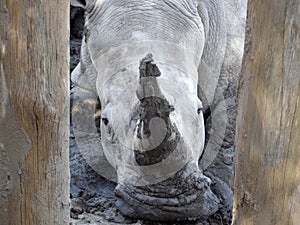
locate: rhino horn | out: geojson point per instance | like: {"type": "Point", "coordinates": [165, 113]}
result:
{"type": "Point", "coordinates": [148, 85]}
{"type": "Point", "coordinates": [163, 135]}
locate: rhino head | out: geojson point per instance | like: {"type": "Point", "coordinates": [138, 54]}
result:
{"type": "Point", "coordinates": [144, 59]}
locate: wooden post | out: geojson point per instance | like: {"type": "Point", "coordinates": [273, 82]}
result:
{"type": "Point", "coordinates": [34, 112]}
{"type": "Point", "coordinates": [267, 161]}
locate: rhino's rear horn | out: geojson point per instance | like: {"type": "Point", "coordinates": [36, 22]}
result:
{"type": "Point", "coordinates": [148, 68]}
{"type": "Point", "coordinates": [148, 86]}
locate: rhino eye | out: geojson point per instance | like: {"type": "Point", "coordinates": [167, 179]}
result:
{"type": "Point", "coordinates": [105, 121]}
{"type": "Point", "coordinates": [199, 110]}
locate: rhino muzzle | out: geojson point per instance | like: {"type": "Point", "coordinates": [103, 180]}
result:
{"type": "Point", "coordinates": [185, 195]}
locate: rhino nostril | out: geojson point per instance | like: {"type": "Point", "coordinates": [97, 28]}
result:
{"type": "Point", "coordinates": [105, 121]}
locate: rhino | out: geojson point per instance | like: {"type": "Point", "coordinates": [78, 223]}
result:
{"type": "Point", "coordinates": [155, 67]}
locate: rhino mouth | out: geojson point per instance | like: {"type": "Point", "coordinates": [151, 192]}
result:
{"type": "Point", "coordinates": [182, 197]}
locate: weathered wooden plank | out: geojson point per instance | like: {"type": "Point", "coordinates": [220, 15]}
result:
{"type": "Point", "coordinates": [267, 161]}
{"type": "Point", "coordinates": [34, 184]}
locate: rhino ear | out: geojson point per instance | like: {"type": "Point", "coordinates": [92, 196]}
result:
{"type": "Point", "coordinates": [212, 14]}
{"type": "Point", "coordinates": [85, 74]}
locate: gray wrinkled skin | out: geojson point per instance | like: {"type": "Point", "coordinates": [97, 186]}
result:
{"type": "Point", "coordinates": [187, 40]}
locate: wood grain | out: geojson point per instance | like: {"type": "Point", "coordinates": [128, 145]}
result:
{"type": "Point", "coordinates": [34, 60]}
{"type": "Point", "coordinates": [267, 161]}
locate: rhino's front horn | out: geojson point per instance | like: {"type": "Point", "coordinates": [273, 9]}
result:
{"type": "Point", "coordinates": [157, 137]}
